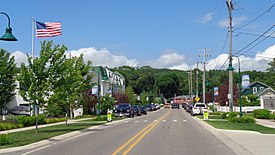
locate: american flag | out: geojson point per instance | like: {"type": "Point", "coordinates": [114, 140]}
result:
{"type": "Point", "coordinates": [48, 29]}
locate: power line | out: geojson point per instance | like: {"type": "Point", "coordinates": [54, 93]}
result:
{"type": "Point", "coordinates": [255, 39]}
{"type": "Point", "coordinates": [222, 49]}
{"type": "Point", "coordinates": [224, 63]}
{"type": "Point", "coordinates": [267, 11]}
{"type": "Point", "coordinates": [254, 34]}
{"type": "Point", "coordinates": [257, 43]}
{"type": "Point", "coordinates": [260, 55]}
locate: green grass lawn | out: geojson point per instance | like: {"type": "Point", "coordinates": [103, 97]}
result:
{"type": "Point", "coordinates": [241, 126]}
{"type": "Point", "coordinates": [29, 136]}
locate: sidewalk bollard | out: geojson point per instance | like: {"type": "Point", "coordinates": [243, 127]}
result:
{"type": "Point", "coordinates": [205, 114]}
{"type": "Point", "coordinates": [109, 115]}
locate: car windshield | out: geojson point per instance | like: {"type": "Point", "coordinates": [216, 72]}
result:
{"type": "Point", "coordinates": [200, 105]}
{"type": "Point", "coordinates": [123, 105]}
{"type": "Point", "coordinates": [135, 106]}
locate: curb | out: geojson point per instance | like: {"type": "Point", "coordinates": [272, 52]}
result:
{"type": "Point", "coordinates": [233, 145]}
{"type": "Point", "coordinates": [67, 136]}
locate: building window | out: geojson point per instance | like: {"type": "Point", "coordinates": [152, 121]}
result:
{"type": "Point", "coordinates": [254, 90]}
{"type": "Point", "coordinates": [261, 88]}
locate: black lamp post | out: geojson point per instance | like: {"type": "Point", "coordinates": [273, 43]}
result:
{"type": "Point", "coordinates": [8, 35]}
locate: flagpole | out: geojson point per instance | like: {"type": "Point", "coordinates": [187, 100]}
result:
{"type": "Point", "coordinates": [33, 112]}
{"type": "Point", "coordinates": [32, 38]}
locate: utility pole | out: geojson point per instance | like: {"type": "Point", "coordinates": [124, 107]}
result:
{"type": "Point", "coordinates": [191, 94]}
{"type": "Point", "coordinates": [197, 80]}
{"type": "Point", "coordinates": [230, 68]}
{"type": "Point", "coordinates": [189, 84]}
{"type": "Point", "coordinates": [203, 77]}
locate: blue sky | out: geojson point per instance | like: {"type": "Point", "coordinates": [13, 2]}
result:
{"type": "Point", "coordinates": [159, 33]}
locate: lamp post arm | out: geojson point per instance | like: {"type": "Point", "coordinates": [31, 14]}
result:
{"type": "Point", "coordinates": [7, 17]}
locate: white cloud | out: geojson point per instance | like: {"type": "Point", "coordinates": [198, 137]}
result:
{"type": "Point", "coordinates": [206, 18]}
{"type": "Point", "coordinates": [236, 21]}
{"type": "Point", "coordinates": [171, 59]}
{"type": "Point", "coordinates": [167, 60]}
{"type": "Point", "coordinates": [103, 57]}
{"type": "Point", "coordinates": [19, 57]}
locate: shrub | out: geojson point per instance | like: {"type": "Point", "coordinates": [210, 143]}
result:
{"type": "Point", "coordinates": [261, 114]}
{"type": "Point", "coordinates": [215, 113]}
{"type": "Point", "coordinates": [233, 114]}
{"type": "Point", "coordinates": [5, 139]}
{"type": "Point", "coordinates": [41, 119]}
{"type": "Point", "coordinates": [227, 115]}
{"type": "Point", "coordinates": [3, 127]}
{"type": "Point", "coordinates": [84, 116]}
{"type": "Point", "coordinates": [20, 125]}
{"type": "Point", "coordinates": [101, 118]}
{"type": "Point", "coordinates": [54, 120]}
{"type": "Point", "coordinates": [272, 116]}
{"type": "Point", "coordinates": [224, 115]}
{"type": "Point", "coordinates": [245, 119]}
{"type": "Point", "coordinates": [7, 126]}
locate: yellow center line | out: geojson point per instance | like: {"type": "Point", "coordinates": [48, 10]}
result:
{"type": "Point", "coordinates": [143, 135]}
{"type": "Point", "coordinates": [138, 134]}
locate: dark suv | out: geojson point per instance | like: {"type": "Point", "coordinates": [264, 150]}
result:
{"type": "Point", "coordinates": [175, 105]}
{"type": "Point", "coordinates": [137, 110]}
{"type": "Point", "coordinates": [124, 109]}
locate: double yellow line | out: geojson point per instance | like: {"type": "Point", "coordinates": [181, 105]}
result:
{"type": "Point", "coordinates": [138, 137]}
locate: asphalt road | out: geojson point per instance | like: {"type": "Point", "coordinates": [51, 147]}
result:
{"type": "Point", "coordinates": [163, 132]}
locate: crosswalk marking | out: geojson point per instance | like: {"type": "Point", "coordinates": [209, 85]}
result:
{"type": "Point", "coordinates": [184, 120]}
{"type": "Point", "coordinates": [164, 120]}
{"type": "Point", "coordinates": [155, 120]}
{"type": "Point", "coordinates": [175, 120]}
{"type": "Point", "coordinates": [145, 121]}
{"type": "Point", "coordinates": [126, 121]}
{"type": "Point", "coordinates": [136, 121]}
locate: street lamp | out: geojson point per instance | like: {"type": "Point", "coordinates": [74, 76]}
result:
{"type": "Point", "coordinates": [240, 86]}
{"type": "Point", "coordinates": [8, 35]}
{"type": "Point", "coordinates": [98, 91]}
{"type": "Point", "coordinates": [104, 78]}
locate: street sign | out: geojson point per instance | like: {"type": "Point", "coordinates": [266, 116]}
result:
{"type": "Point", "coordinates": [197, 99]}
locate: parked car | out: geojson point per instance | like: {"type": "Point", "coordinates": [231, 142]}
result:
{"type": "Point", "coordinates": [198, 109]}
{"type": "Point", "coordinates": [175, 106]}
{"type": "Point", "coordinates": [189, 107]}
{"type": "Point", "coordinates": [149, 107]}
{"type": "Point", "coordinates": [143, 110]}
{"type": "Point", "coordinates": [137, 110]}
{"type": "Point", "coordinates": [157, 105]}
{"type": "Point", "coordinates": [184, 105]}
{"type": "Point", "coordinates": [124, 109]}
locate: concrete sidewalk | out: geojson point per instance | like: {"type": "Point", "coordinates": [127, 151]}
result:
{"type": "Point", "coordinates": [244, 142]}
{"type": "Point", "coordinates": [266, 122]}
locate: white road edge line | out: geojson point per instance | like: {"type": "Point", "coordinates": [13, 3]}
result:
{"type": "Point", "coordinates": [36, 150]}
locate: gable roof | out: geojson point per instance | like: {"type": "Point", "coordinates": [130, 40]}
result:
{"type": "Point", "coordinates": [248, 87]}
{"type": "Point", "coordinates": [260, 92]}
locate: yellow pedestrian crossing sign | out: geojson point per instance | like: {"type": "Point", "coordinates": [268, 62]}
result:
{"type": "Point", "coordinates": [197, 99]}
